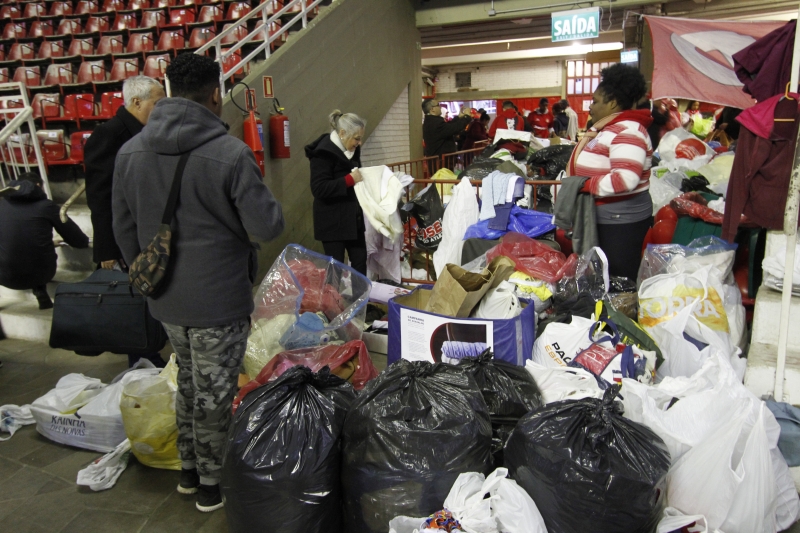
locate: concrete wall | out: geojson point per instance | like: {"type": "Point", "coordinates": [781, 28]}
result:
{"type": "Point", "coordinates": [518, 78]}
{"type": "Point", "coordinates": [357, 56]}
{"type": "Point", "coordinates": [389, 142]}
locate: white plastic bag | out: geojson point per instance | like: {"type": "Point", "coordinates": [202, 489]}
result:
{"type": "Point", "coordinates": [499, 303]}
{"type": "Point", "coordinates": [461, 213]}
{"type": "Point", "coordinates": [662, 192]}
{"type": "Point", "coordinates": [405, 524]}
{"type": "Point", "coordinates": [467, 503]}
{"type": "Point", "coordinates": [514, 509]}
{"type": "Point", "coordinates": [559, 343]}
{"type": "Point", "coordinates": [674, 521]}
{"type": "Point", "coordinates": [563, 383]}
{"type": "Point", "coordinates": [71, 392]}
{"type": "Point", "coordinates": [13, 417]}
{"type": "Point", "coordinates": [103, 473]}
{"type": "Point", "coordinates": [680, 150]}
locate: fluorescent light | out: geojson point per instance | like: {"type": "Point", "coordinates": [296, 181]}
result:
{"type": "Point", "coordinates": [536, 53]}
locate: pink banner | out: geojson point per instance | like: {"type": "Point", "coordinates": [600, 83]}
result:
{"type": "Point", "coordinates": [693, 58]}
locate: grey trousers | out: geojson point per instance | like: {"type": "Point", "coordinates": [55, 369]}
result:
{"type": "Point", "coordinates": [209, 360]}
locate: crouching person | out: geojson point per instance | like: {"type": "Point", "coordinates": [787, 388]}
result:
{"type": "Point", "coordinates": [206, 301]}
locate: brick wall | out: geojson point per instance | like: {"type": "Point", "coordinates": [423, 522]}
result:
{"type": "Point", "coordinates": [389, 141]}
{"type": "Point", "coordinates": [505, 76]}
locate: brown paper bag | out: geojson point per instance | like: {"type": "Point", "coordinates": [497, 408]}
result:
{"type": "Point", "coordinates": [458, 291]}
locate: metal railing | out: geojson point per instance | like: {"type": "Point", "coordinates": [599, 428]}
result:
{"type": "Point", "coordinates": [228, 70]}
{"type": "Point", "coordinates": [19, 150]}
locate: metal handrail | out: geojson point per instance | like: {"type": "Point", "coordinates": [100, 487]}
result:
{"type": "Point", "coordinates": [216, 42]}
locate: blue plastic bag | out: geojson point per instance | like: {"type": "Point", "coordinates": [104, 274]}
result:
{"type": "Point", "coordinates": [526, 221]}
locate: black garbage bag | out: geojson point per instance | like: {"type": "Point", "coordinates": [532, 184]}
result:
{"type": "Point", "coordinates": [509, 392]}
{"type": "Point", "coordinates": [427, 210]}
{"type": "Point", "coordinates": [481, 167]}
{"type": "Point", "coordinates": [581, 286]}
{"type": "Point", "coordinates": [552, 159]}
{"type": "Point", "coordinates": [408, 436]}
{"type": "Point", "coordinates": [589, 469]}
{"type": "Point", "coordinates": [281, 469]}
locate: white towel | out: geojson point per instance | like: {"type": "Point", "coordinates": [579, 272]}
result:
{"type": "Point", "coordinates": [381, 209]}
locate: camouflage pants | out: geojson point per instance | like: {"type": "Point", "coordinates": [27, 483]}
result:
{"type": "Point", "coordinates": [209, 360]}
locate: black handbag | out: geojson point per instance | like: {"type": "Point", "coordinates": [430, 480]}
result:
{"type": "Point", "coordinates": [104, 313]}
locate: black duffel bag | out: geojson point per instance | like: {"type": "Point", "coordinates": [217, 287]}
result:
{"type": "Point", "coordinates": [103, 313]}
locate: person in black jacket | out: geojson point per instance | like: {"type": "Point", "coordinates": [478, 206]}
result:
{"type": "Point", "coordinates": [338, 220]}
{"type": "Point", "coordinates": [438, 134]}
{"type": "Point", "coordinates": [140, 94]}
{"type": "Point", "coordinates": [27, 253]}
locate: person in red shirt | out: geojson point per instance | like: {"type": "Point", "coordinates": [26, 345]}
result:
{"type": "Point", "coordinates": [541, 120]}
{"type": "Point", "coordinates": [507, 119]}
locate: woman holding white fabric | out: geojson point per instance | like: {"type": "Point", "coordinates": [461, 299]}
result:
{"type": "Point", "coordinates": [338, 219]}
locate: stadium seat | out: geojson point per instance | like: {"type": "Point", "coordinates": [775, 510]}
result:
{"type": "Point", "coordinates": [59, 8]}
{"type": "Point", "coordinates": [5, 75]}
{"type": "Point", "coordinates": [20, 51]}
{"type": "Point", "coordinates": [34, 10]}
{"type": "Point", "coordinates": [96, 24]}
{"type": "Point", "coordinates": [113, 5]}
{"type": "Point", "coordinates": [110, 44]}
{"type": "Point", "coordinates": [200, 36]}
{"type": "Point", "coordinates": [155, 65]}
{"type": "Point", "coordinates": [15, 30]}
{"type": "Point", "coordinates": [154, 18]}
{"type": "Point", "coordinates": [53, 146]}
{"type": "Point", "coordinates": [171, 39]}
{"type": "Point", "coordinates": [237, 35]}
{"type": "Point", "coordinates": [125, 21]}
{"type": "Point", "coordinates": [51, 49]}
{"type": "Point", "coordinates": [81, 47]}
{"type": "Point", "coordinates": [110, 102]}
{"type": "Point", "coordinates": [122, 69]}
{"type": "Point", "coordinates": [164, 3]}
{"type": "Point", "coordinates": [58, 74]}
{"type": "Point", "coordinates": [46, 105]}
{"type": "Point", "coordinates": [231, 61]}
{"type": "Point", "coordinates": [211, 13]}
{"type": "Point", "coordinates": [85, 7]}
{"type": "Point", "coordinates": [30, 76]}
{"type": "Point", "coordinates": [19, 149]}
{"type": "Point", "coordinates": [76, 143]}
{"type": "Point", "coordinates": [91, 71]}
{"type": "Point", "coordinates": [274, 6]}
{"type": "Point", "coordinates": [69, 27]}
{"type": "Point", "coordinates": [78, 106]}
{"type": "Point", "coordinates": [139, 4]}
{"type": "Point", "coordinates": [181, 16]}
{"type": "Point", "coordinates": [237, 10]}
{"type": "Point", "coordinates": [10, 11]}
{"type": "Point", "coordinates": [41, 28]}
{"type": "Point", "coordinates": [140, 43]}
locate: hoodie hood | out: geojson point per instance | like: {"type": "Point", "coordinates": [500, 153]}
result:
{"type": "Point", "coordinates": [178, 125]}
{"type": "Point", "coordinates": [23, 191]}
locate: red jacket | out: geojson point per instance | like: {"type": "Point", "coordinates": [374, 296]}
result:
{"type": "Point", "coordinates": [507, 119]}
{"type": "Point", "coordinates": [541, 123]}
{"type": "Point", "coordinates": [762, 167]}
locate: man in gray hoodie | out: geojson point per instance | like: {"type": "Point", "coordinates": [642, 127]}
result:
{"type": "Point", "coordinates": [206, 303]}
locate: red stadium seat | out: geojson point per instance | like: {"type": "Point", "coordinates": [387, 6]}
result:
{"type": "Point", "coordinates": [41, 28]}
{"type": "Point", "coordinates": [84, 7]}
{"type": "Point", "coordinates": [58, 74]}
{"type": "Point", "coordinates": [96, 24]}
{"type": "Point", "coordinates": [10, 12]}
{"type": "Point", "coordinates": [274, 6]}
{"type": "Point", "coordinates": [180, 16]}
{"type": "Point", "coordinates": [91, 71]}
{"type": "Point", "coordinates": [237, 10]}
{"type": "Point", "coordinates": [53, 146]}
{"type": "Point", "coordinates": [211, 13]}
{"type": "Point", "coordinates": [237, 35]}
{"type": "Point", "coordinates": [109, 103]}
{"type": "Point", "coordinates": [21, 51]}
{"type": "Point", "coordinates": [200, 36]}
{"type": "Point", "coordinates": [155, 65]}
{"type": "Point", "coordinates": [15, 30]}
{"type": "Point", "coordinates": [125, 21]}
{"type": "Point", "coordinates": [164, 3]}
{"type": "Point", "coordinates": [59, 8]}
{"type": "Point", "coordinates": [231, 61]}
{"type": "Point", "coordinates": [51, 49]}
{"type": "Point", "coordinates": [155, 18]}
{"type": "Point", "coordinates": [122, 69]}
{"type": "Point", "coordinates": [46, 105]}
{"type": "Point", "coordinates": [5, 75]}
{"type": "Point", "coordinates": [139, 4]}
{"type": "Point", "coordinates": [113, 5]}
{"type": "Point", "coordinates": [171, 39]}
{"type": "Point", "coordinates": [81, 47]}
{"type": "Point", "coordinates": [30, 76]}
{"type": "Point", "coordinates": [34, 10]}
{"type": "Point", "coordinates": [76, 143]}
{"type": "Point", "coordinates": [78, 106]}
{"type": "Point", "coordinates": [110, 44]}
{"type": "Point", "coordinates": [141, 42]}
{"type": "Point", "coordinates": [69, 27]}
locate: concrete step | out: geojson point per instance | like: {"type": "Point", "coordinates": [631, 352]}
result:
{"type": "Point", "coordinates": [75, 259]}
{"type": "Point", "coordinates": [767, 316]}
{"type": "Point", "coordinates": [22, 319]}
{"type": "Point", "coordinates": [760, 374]}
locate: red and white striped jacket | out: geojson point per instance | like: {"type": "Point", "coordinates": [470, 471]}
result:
{"type": "Point", "coordinates": [617, 157]}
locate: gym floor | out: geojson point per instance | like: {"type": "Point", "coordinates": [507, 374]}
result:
{"type": "Point", "coordinates": [38, 493]}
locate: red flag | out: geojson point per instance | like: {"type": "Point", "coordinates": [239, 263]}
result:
{"type": "Point", "coordinates": [693, 58]}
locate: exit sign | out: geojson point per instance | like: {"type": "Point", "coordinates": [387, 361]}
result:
{"type": "Point", "coordinates": [576, 24]}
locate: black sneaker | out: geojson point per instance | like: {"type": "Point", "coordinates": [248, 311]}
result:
{"type": "Point", "coordinates": [44, 299]}
{"type": "Point", "coordinates": [189, 481]}
{"type": "Point", "coordinates": [208, 498]}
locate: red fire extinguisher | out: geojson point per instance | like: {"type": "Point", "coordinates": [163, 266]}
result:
{"type": "Point", "coordinates": [279, 134]}
{"type": "Point", "coordinates": [254, 128]}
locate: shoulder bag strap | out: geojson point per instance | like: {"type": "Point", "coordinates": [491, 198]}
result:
{"type": "Point", "coordinates": [175, 191]}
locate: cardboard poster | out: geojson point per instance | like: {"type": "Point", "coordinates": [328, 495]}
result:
{"type": "Point", "coordinates": [426, 337]}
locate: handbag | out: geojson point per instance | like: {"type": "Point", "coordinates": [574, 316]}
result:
{"type": "Point", "coordinates": [148, 270]}
{"type": "Point", "coordinates": [104, 314]}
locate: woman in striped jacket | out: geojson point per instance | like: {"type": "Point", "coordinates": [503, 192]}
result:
{"type": "Point", "coordinates": [616, 155]}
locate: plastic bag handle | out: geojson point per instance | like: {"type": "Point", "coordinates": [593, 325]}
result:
{"type": "Point", "coordinates": [628, 363]}
{"type": "Point", "coordinates": [614, 339]}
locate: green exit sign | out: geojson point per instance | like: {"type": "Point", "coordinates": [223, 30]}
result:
{"type": "Point", "coordinates": [576, 24]}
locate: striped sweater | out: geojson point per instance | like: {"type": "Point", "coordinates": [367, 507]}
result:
{"type": "Point", "coordinates": [617, 158]}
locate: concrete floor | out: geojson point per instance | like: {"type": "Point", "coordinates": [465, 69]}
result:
{"type": "Point", "coordinates": [38, 493]}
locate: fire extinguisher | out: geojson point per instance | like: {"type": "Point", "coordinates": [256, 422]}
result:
{"type": "Point", "coordinates": [254, 128]}
{"type": "Point", "coordinates": [279, 134]}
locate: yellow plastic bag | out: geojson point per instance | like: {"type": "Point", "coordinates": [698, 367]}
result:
{"type": "Point", "coordinates": [445, 174]}
{"type": "Point", "coordinates": [148, 415]}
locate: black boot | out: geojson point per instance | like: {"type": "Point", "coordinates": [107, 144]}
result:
{"type": "Point", "coordinates": [44, 299]}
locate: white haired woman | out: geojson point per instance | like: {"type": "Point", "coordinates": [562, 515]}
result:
{"type": "Point", "coordinates": [338, 220]}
